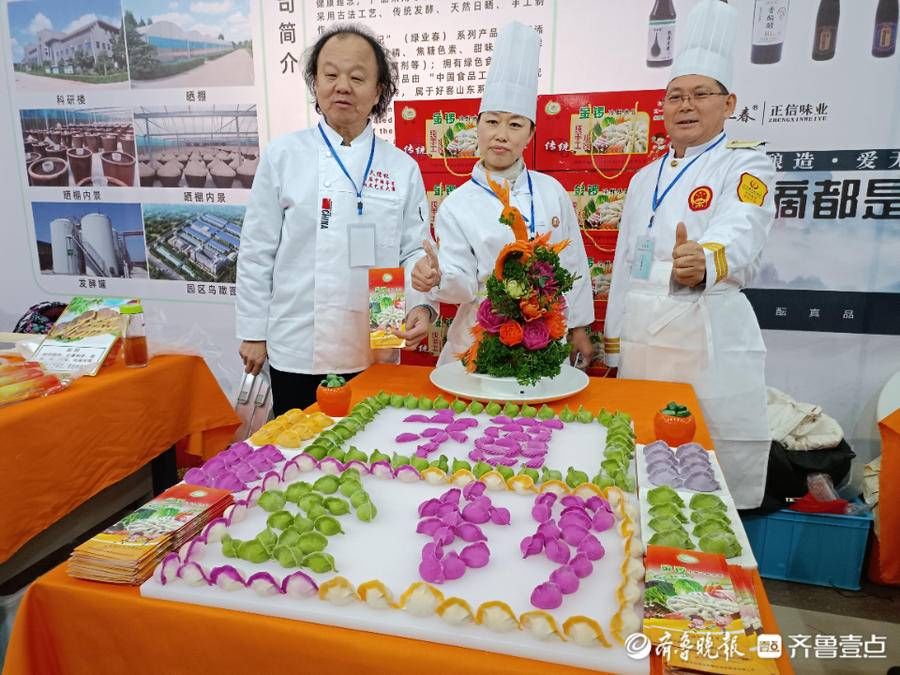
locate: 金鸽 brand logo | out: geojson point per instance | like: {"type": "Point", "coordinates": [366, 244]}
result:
{"type": "Point", "coordinates": [408, 113]}
{"type": "Point", "coordinates": [700, 198]}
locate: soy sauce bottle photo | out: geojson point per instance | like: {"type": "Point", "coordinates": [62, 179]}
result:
{"type": "Point", "coordinates": [825, 36]}
{"type": "Point", "coordinates": [769, 26]}
{"type": "Point", "coordinates": [884, 39]}
{"type": "Point", "coordinates": [661, 36]}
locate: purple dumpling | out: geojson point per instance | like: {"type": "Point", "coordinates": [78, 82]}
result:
{"type": "Point", "coordinates": [701, 483]}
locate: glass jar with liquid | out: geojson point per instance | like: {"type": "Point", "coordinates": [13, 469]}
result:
{"type": "Point", "coordinates": [134, 336]}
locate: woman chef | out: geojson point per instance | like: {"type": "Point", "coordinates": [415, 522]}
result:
{"type": "Point", "coordinates": [467, 225]}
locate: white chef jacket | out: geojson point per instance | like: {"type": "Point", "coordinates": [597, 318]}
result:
{"type": "Point", "coordinates": [707, 336]}
{"type": "Point", "coordinates": [295, 287]}
{"type": "Point", "coordinates": [471, 235]}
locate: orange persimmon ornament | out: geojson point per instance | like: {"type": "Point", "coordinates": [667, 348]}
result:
{"type": "Point", "coordinates": [674, 424]}
{"type": "Point", "coordinates": [333, 396]}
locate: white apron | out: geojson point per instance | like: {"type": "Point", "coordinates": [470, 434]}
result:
{"type": "Point", "coordinates": [712, 341]}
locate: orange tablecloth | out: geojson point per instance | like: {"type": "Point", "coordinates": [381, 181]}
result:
{"type": "Point", "coordinates": [884, 566]}
{"type": "Point", "coordinates": [72, 626]}
{"type": "Point", "coordinates": [60, 451]}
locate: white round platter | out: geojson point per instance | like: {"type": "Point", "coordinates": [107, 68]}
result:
{"type": "Point", "coordinates": [453, 379]}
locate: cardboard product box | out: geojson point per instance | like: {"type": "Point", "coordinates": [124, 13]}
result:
{"type": "Point", "coordinates": [597, 366]}
{"type": "Point", "coordinates": [600, 131]}
{"type": "Point", "coordinates": [601, 278]}
{"type": "Point", "coordinates": [440, 134]}
{"type": "Point", "coordinates": [600, 245]}
{"type": "Point", "coordinates": [598, 201]}
{"type": "Point", "coordinates": [439, 184]}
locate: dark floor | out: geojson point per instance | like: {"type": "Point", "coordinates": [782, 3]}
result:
{"type": "Point", "coordinates": [878, 603]}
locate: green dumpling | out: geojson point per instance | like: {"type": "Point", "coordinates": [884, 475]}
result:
{"type": "Point", "coordinates": [271, 500]}
{"type": "Point", "coordinates": [723, 543]}
{"type": "Point", "coordinates": [604, 417]}
{"type": "Point", "coordinates": [612, 465]}
{"type": "Point", "coordinates": [546, 412]}
{"type": "Point", "coordinates": [574, 478]}
{"type": "Point", "coordinates": [673, 538]}
{"type": "Point", "coordinates": [710, 526]}
{"type": "Point", "coordinates": [664, 495]}
{"type": "Point", "coordinates": [665, 524]}
{"type": "Point", "coordinates": [707, 501]}
{"type": "Point", "coordinates": [702, 515]}
{"type": "Point", "coordinates": [280, 520]}
{"type": "Point", "coordinates": [667, 511]}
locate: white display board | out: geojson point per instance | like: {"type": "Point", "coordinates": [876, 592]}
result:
{"type": "Point", "coordinates": [182, 77]}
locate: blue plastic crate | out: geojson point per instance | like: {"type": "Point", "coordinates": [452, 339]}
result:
{"type": "Point", "coordinates": [810, 548]}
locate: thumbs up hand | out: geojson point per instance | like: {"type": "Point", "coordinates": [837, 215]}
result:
{"type": "Point", "coordinates": [427, 271]}
{"type": "Point", "coordinates": [688, 259]}
{"type": "Point", "coordinates": [680, 234]}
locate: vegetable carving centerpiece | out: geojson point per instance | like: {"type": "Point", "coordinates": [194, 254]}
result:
{"type": "Point", "coordinates": [333, 395]}
{"type": "Point", "coordinates": [674, 424]}
{"type": "Point", "coordinates": [521, 325]}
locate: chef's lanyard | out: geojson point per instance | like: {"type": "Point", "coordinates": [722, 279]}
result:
{"type": "Point", "coordinates": [359, 201]}
{"type": "Point", "coordinates": [530, 194]}
{"type": "Point", "coordinates": [657, 198]}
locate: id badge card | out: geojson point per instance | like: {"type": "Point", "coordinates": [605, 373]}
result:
{"type": "Point", "coordinates": [643, 257]}
{"type": "Point", "coordinates": [362, 244]}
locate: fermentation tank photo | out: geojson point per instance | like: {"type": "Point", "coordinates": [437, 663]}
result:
{"type": "Point", "coordinates": [67, 258]}
{"type": "Point", "coordinates": [98, 238]}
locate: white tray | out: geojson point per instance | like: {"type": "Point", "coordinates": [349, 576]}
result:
{"type": "Point", "coordinates": [388, 549]}
{"type": "Point", "coordinates": [746, 558]}
{"type": "Point", "coordinates": [454, 379]}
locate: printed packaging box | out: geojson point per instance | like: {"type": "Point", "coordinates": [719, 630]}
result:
{"type": "Point", "coordinates": [597, 200]}
{"type": "Point", "coordinates": [387, 307]}
{"type": "Point", "coordinates": [600, 131]}
{"type": "Point", "coordinates": [600, 245]}
{"type": "Point", "coordinates": [440, 134]}
{"type": "Point", "coordinates": [437, 186]}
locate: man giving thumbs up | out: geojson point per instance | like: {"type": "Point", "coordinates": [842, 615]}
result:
{"type": "Point", "coordinates": [688, 259]}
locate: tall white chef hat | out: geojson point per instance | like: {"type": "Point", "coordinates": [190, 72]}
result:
{"type": "Point", "coordinates": [512, 79]}
{"type": "Point", "coordinates": [708, 49]}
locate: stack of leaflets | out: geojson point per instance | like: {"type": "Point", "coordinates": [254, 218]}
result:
{"type": "Point", "coordinates": [128, 551]}
{"type": "Point", "coordinates": [701, 613]}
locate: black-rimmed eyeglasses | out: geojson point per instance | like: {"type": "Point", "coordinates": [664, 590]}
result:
{"type": "Point", "coordinates": [696, 96]}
